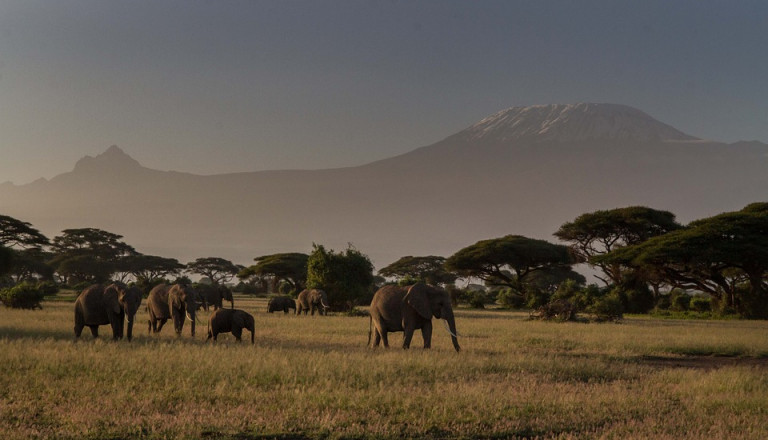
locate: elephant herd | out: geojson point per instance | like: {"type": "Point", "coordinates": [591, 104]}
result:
{"type": "Point", "coordinates": [393, 309]}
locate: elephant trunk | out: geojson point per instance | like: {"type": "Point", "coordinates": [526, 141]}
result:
{"type": "Point", "coordinates": [130, 328]}
{"type": "Point", "coordinates": [452, 329]}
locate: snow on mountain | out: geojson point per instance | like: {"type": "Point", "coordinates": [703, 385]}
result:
{"type": "Point", "coordinates": [573, 123]}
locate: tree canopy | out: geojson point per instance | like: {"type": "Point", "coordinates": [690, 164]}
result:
{"type": "Point", "coordinates": [430, 269]}
{"type": "Point", "coordinates": [19, 234]}
{"type": "Point", "coordinates": [288, 267]}
{"type": "Point", "coordinates": [716, 255]}
{"type": "Point", "coordinates": [89, 254]}
{"type": "Point", "coordinates": [217, 269]}
{"type": "Point", "coordinates": [509, 260]}
{"type": "Point", "coordinates": [600, 232]}
{"type": "Point", "coordinates": [347, 277]}
{"type": "Point", "coordinates": [150, 267]}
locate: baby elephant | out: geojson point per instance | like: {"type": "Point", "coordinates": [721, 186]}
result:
{"type": "Point", "coordinates": [230, 320]}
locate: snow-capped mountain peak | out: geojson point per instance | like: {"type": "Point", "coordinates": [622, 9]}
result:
{"type": "Point", "coordinates": [573, 122]}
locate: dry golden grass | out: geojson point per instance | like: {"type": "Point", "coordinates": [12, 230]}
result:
{"type": "Point", "coordinates": [310, 377]}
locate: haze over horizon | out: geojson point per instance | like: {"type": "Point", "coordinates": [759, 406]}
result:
{"type": "Point", "coordinates": [212, 87]}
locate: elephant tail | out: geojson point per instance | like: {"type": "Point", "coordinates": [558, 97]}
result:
{"type": "Point", "coordinates": [370, 328]}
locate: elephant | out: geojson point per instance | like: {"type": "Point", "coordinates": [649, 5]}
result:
{"type": "Point", "coordinates": [214, 295]}
{"type": "Point", "coordinates": [310, 300]}
{"type": "Point", "coordinates": [281, 303]}
{"type": "Point", "coordinates": [99, 305]}
{"type": "Point", "coordinates": [405, 309]}
{"type": "Point", "coordinates": [230, 320]}
{"type": "Point", "coordinates": [173, 302]}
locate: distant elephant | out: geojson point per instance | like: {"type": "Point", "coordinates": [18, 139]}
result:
{"type": "Point", "coordinates": [173, 302]}
{"type": "Point", "coordinates": [98, 305]}
{"type": "Point", "coordinates": [230, 320]}
{"type": "Point", "coordinates": [311, 300]}
{"type": "Point", "coordinates": [281, 303]}
{"type": "Point", "coordinates": [214, 295]}
{"type": "Point", "coordinates": [405, 309]}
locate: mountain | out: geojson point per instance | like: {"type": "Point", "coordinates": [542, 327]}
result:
{"type": "Point", "coordinates": [524, 170]}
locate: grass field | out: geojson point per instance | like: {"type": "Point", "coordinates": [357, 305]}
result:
{"type": "Point", "coordinates": [309, 377]}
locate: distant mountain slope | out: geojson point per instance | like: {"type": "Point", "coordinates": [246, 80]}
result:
{"type": "Point", "coordinates": [524, 170]}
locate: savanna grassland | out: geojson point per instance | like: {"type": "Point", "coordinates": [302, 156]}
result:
{"type": "Point", "coordinates": [309, 377]}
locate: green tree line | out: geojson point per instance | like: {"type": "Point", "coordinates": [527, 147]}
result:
{"type": "Point", "coordinates": [641, 256]}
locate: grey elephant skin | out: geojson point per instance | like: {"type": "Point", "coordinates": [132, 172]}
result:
{"type": "Point", "coordinates": [279, 303]}
{"type": "Point", "coordinates": [406, 309]}
{"type": "Point", "coordinates": [215, 295]}
{"type": "Point", "coordinates": [172, 302]}
{"type": "Point", "coordinates": [230, 320]}
{"type": "Point", "coordinates": [99, 305]}
{"type": "Point", "coordinates": [311, 300]}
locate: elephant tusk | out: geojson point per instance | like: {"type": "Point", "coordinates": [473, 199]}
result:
{"type": "Point", "coordinates": [448, 329]}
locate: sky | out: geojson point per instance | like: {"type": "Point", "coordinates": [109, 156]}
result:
{"type": "Point", "coordinates": [213, 87]}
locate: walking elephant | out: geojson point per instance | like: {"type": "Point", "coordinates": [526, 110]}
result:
{"type": "Point", "coordinates": [406, 309]}
{"type": "Point", "coordinates": [214, 296]}
{"type": "Point", "coordinates": [230, 320]}
{"type": "Point", "coordinates": [174, 302]}
{"type": "Point", "coordinates": [99, 305]}
{"type": "Point", "coordinates": [281, 303]}
{"type": "Point", "coordinates": [311, 300]}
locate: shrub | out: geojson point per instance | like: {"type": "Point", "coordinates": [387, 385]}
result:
{"type": "Point", "coordinates": [701, 304]}
{"type": "Point", "coordinates": [607, 308]}
{"type": "Point", "coordinates": [48, 288]}
{"type": "Point", "coordinates": [22, 296]}
{"type": "Point", "coordinates": [558, 309]}
{"type": "Point", "coordinates": [477, 300]}
{"type": "Point", "coordinates": [509, 299]}
{"type": "Point", "coordinates": [680, 301]}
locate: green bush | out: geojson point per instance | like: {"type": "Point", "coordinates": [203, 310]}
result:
{"type": "Point", "coordinates": [48, 288]}
{"type": "Point", "coordinates": [701, 304]}
{"type": "Point", "coordinates": [510, 300]}
{"type": "Point", "coordinates": [477, 300]}
{"type": "Point", "coordinates": [22, 296]}
{"type": "Point", "coordinates": [680, 301]}
{"type": "Point", "coordinates": [607, 308]}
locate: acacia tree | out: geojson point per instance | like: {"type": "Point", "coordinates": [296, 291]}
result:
{"type": "Point", "coordinates": [347, 277]}
{"type": "Point", "coordinates": [288, 267]}
{"type": "Point", "coordinates": [88, 254]}
{"type": "Point", "coordinates": [217, 269]}
{"type": "Point", "coordinates": [509, 260]}
{"type": "Point", "coordinates": [18, 234]}
{"type": "Point", "coordinates": [600, 232]}
{"type": "Point", "coordinates": [430, 269]}
{"type": "Point", "coordinates": [149, 268]}
{"type": "Point", "coordinates": [716, 255]}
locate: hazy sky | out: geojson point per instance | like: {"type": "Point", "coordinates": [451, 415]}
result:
{"type": "Point", "coordinates": [225, 86]}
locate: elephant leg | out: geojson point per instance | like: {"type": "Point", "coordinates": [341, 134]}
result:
{"type": "Point", "coordinates": [407, 336]}
{"type": "Point", "coordinates": [285, 311]}
{"type": "Point", "coordinates": [237, 332]}
{"type": "Point", "coordinates": [426, 333]}
{"type": "Point", "coordinates": [116, 322]}
{"type": "Point", "coordinates": [94, 330]}
{"type": "Point", "coordinates": [384, 338]}
{"type": "Point", "coordinates": [160, 326]}
{"type": "Point", "coordinates": [376, 337]}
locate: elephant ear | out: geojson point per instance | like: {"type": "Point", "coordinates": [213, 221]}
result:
{"type": "Point", "coordinates": [418, 299]}
{"type": "Point", "coordinates": [111, 299]}
{"type": "Point", "coordinates": [175, 297]}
